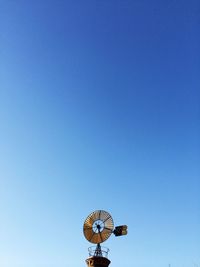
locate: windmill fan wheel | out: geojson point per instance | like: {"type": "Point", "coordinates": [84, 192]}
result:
{"type": "Point", "coordinates": [98, 226]}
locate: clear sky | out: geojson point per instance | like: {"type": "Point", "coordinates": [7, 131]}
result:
{"type": "Point", "coordinates": [99, 109]}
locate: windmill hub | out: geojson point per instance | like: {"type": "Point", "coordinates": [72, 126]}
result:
{"type": "Point", "coordinates": [98, 226]}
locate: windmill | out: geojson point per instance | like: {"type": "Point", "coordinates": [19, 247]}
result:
{"type": "Point", "coordinates": [97, 228]}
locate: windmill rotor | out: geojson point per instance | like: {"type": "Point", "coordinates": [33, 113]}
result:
{"type": "Point", "coordinates": [98, 226]}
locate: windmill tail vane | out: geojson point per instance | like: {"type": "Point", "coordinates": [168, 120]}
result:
{"type": "Point", "coordinates": [120, 230]}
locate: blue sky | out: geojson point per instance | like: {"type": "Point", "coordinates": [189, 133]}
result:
{"type": "Point", "coordinates": [99, 109]}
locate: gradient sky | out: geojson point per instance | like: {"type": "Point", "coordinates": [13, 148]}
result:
{"type": "Point", "coordinates": [99, 109]}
